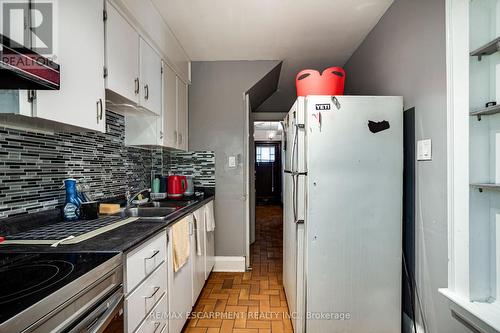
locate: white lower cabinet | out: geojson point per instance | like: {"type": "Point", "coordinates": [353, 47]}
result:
{"type": "Point", "coordinates": [142, 300]}
{"type": "Point", "coordinates": [209, 240]}
{"type": "Point", "coordinates": [198, 256]}
{"type": "Point", "coordinates": [145, 285]}
{"type": "Point", "coordinates": [157, 298]}
{"type": "Point", "coordinates": [157, 320]}
{"type": "Point", "coordinates": [180, 291]}
{"type": "Point", "coordinates": [185, 285]}
{"type": "Point", "coordinates": [143, 260]}
{"type": "Point", "coordinates": [209, 253]}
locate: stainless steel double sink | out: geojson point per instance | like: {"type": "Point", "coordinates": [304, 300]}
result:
{"type": "Point", "coordinates": [156, 210]}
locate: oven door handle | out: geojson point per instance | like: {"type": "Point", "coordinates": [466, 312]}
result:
{"type": "Point", "coordinates": [98, 320]}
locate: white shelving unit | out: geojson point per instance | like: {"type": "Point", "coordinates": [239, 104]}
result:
{"type": "Point", "coordinates": [485, 186]}
{"type": "Point", "coordinates": [484, 145]}
{"type": "Point", "coordinates": [486, 111]}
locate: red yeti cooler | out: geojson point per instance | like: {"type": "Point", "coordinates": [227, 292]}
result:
{"type": "Point", "coordinates": [330, 82]}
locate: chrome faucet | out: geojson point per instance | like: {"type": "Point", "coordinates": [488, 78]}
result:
{"type": "Point", "coordinates": [131, 198]}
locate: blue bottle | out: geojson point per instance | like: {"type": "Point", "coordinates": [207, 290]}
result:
{"type": "Point", "coordinates": [73, 200]}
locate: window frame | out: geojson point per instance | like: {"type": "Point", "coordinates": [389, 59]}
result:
{"type": "Point", "coordinates": [264, 146]}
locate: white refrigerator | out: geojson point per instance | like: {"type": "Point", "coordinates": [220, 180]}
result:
{"type": "Point", "coordinates": [342, 232]}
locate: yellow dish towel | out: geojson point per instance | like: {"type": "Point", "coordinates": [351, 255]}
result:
{"type": "Point", "coordinates": [180, 242]}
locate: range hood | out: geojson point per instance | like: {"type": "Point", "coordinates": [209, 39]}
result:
{"type": "Point", "coordinates": [21, 68]}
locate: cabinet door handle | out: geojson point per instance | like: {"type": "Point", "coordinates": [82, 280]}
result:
{"type": "Point", "coordinates": [136, 82]}
{"type": "Point", "coordinates": [31, 96]}
{"type": "Point", "coordinates": [146, 92]}
{"type": "Point", "coordinates": [100, 109]}
{"type": "Point", "coordinates": [161, 134]}
{"type": "Point", "coordinates": [155, 253]}
{"type": "Point", "coordinates": [153, 294]}
{"type": "Point", "coordinates": [97, 110]}
{"type": "Point", "coordinates": [175, 135]}
{"type": "Point", "coordinates": [180, 138]}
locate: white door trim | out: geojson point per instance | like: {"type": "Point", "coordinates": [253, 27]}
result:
{"type": "Point", "coordinates": [246, 144]}
{"type": "Point", "coordinates": [457, 63]}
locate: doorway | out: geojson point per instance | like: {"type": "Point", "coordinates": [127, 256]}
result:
{"type": "Point", "coordinates": [268, 173]}
{"type": "Point", "coordinates": [265, 166]}
{"type": "Point", "coordinates": [266, 162]}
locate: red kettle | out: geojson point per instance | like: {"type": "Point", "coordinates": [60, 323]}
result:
{"type": "Point", "coordinates": [176, 186]}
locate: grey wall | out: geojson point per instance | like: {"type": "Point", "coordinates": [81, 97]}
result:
{"type": "Point", "coordinates": [405, 54]}
{"type": "Point", "coordinates": [217, 120]}
{"type": "Point", "coordinates": [265, 88]}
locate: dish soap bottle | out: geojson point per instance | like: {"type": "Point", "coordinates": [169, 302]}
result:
{"type": "Point", "coordinates": [156, 185]}
{"type": "Point", "coordinates": [72, 206]}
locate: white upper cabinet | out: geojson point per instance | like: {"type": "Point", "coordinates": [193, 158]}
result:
{"type": "Point", "coordinates": [133, 67]}
{"type": "Point", "coordinates": [170, 127]}
{"type": "Point", "coordinates": [111, 55]}
{"type": "Point", "coordinates": [122, 57]}
{"type": "Point", "coordinates": [80, 53]}
{"type": "Point", "coordinates": [182, 115]}
{"type": "Point", "coordinates": [154, 26]}
{"type": "Point", "coordinates": [150, 78]}
{"type": "Point", "coordinates": [169, 131]}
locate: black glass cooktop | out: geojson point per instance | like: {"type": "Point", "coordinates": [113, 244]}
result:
{"type": "Point", "coordinates": [26, 279]}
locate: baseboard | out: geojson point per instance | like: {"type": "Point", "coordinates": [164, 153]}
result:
{"type": "Point", "coordinates": [229, 264]}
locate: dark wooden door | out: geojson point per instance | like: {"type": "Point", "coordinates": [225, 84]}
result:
{"type": "Point", "coordinates": [268, 172]}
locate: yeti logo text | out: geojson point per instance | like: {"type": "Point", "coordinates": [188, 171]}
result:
{"type": "Point", "coordinates": [29, 25]}
{"type": "Point", "coordinates": [323, 107]}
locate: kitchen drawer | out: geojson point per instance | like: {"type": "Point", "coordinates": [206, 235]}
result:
{"type": "Point", "coordinates": [143, 260]}
{"type": "Point", "coordinates": [144, 298]}
{"type": "Point", "coordinates": [156, 321]}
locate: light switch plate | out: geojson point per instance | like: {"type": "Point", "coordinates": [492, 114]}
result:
{"type": "Point", "coordinates": [424, 150]}
{"type": "Point", "coordinates": [232, 162]}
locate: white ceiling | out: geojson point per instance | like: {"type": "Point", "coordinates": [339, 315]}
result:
{"type": "Point", "coordinates": [267, 131]}
{"type": "Point", "coordinates": [303, 33]}
{"type": "Point", "coordinates": [267, 125]}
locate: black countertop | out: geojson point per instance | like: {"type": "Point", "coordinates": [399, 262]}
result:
{"type": "Point", "coordinates": [117, 240]}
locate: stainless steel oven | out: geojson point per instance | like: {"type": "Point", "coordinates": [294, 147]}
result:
{"type": "Point", "coordinates": [106, 317]}
{"type": "Point", "coordinates": [90, 299]}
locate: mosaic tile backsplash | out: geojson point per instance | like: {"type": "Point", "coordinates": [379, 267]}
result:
{"type": "Point", "coordinates": [33, 166]}
{"type": "Point", "coordinates": [199, 164]}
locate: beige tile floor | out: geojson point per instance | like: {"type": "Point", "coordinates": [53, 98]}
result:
{"type": "Point", "coordinates": [251, 302]}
